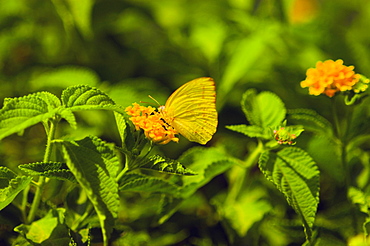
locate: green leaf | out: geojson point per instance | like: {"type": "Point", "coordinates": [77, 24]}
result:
{"type": "Point", "coordinates": [166, 165]}
{"type": "Point", "coordinates": [311, 120]}
{"type": "Point", "coordinates": [364, 226]}
{"type": "Point", "coordinates": [143, 183]}
{"type": "Point", "coordinates": [359, 198]}
{"type": "Point", "coordinates": [124, 131]}
{"type": "Point", "coordinates": [264, 110]}
{"type": "Point", "coordinates": [57, 170]}
{"type": "Point", "coordinates": [50, 99]}
{"type": "Point", "coordinates": [83, 97]}
{"type": "Point", "coordinates": [81, 237]}
{"type": "Point", "coordinates": [95, 164]}
{"type": "Point", "coordinates": [213, 169]}
{"type": "Point", "coordinates": [207, 163]}
{"type": "Point", "coordinates": [49, 230]}
{"type": "Point", "coordinates": [247, 106]}
{"type": "Point", "coordinates": [132, 237]}
{"type": "Point", "coordinates": [5, 176]}
{"type": "Point", "coordinates": [68, 115]}
{"type": "Point", "coordinates": [360, 120]}
{"type": "Point", "coordinates": [15, 186]}
{"type": "Point", "coordinates": [243, 213]}
{"type": "Point", "coordinates": [167, 207]}
{"type": "Point", "coordinates": [327, 152]}
{"type": "Point", "coordinates": [20, 113]}
{"type": "Point", "coordinates": [250, 131]}
{"type": "Point", "coordinates": [356, 95]}
{"type": "Point", "coordinates": [65, 76]}
{"type": "Point", "coordinates": [296, 175]}
{"type": "Point", "coordinates": [287, 134]}
{"type": "Point", "coordinates": [121, 125]}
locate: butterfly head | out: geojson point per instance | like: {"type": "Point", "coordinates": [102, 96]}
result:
{"type": "Point", "coordinates": [161, 108]}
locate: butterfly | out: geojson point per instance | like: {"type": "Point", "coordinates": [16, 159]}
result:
{"type": "Point", "coordinates": [191, 110]}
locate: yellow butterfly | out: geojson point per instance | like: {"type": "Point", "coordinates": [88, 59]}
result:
{"type": "Point", "coordinates": [191, 110]}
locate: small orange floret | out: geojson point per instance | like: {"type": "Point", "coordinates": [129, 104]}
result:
{"type": "Point", "coordinates": [151, 121]}
{"type": "Point", "coordinates": [329, 77]}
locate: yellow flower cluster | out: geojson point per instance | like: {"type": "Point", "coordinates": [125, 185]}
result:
{"type": "Point", "coordinates": [151, 121]}
{"type": "Point", "coordinates": [329, 77]}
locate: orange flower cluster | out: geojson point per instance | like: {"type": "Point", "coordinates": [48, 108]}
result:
{"type": "Point", "coordinates": [151, 121]}
{"type": "Point", "coordinates": [330, 77]}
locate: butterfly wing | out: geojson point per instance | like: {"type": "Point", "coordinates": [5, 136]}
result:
{"type": "Point", "coordinates": [191, 110]}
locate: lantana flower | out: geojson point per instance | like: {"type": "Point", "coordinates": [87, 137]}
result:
{"type": "Point", "coordinates": [152, 123]}
{"type": "Point", "coordinates": [329, 77]}
{"type": "Point", "coordinates": [287, 134]}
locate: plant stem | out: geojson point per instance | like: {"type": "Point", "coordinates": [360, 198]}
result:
{"type": "Point", "coordinates": [131, 162]}
{"type": "Point", "coordinates": [342, 136]}
{"type": "Point", "coordinates": [41, 181]}
{"type": "Point", "coordinates": [239, 181]}
{"type": "Point", "coordinates": [125, 169]}
{"type": "Point", "coordinates": [252, 158]}
{"type": "Point", "coordinates": [24, 203]}
{"type": "Point", "coordinates": [77, 223]}
{"type": "Point", "coordinates": [336, 119]}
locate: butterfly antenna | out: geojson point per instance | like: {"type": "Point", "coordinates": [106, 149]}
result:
{"type": "Point", "coordinates": [150, 103]}
{"type": "Point", "coordinates": [154, 100]}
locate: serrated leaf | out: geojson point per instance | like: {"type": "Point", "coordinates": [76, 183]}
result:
{"type": "Point", "coordinates": [5, 176]}
{"type": "Point", "coordinates": [57, 170]}
{"type": "Point", "coordinates": [247, 106]}
{"type": "Point", "coordinates": [40, 167]}
{"type": "Point", "coordinates": [311, 120]}
{"type": "Point", "coordinates": [264, 110]}
{"type": "Point", "coordinates": [124, 131]}
{"type": "Point", "coordinates": [81, 237]}
{"type": "Point", "coordinates": [95, 164]}
{"type": "Point", "coordinates": [166, 165]}
{"type": "Point", "coordinates": [250, 131]}
{"type": "Point", "coordinates": [20, 113]}
{"type": "Point", "coordinates": [143, 183]}
{"type": "Point", "coordinates": [83, 97]}
{"type": "Point", "coordinates": [121, 125]}
{"type": "Point", "coordinates": [296, 175]}
{"type": "Point", "coordinates": [15, 186]}
{"type": "Point", "coordinates": [50, 99]}
{"type": "Point", "coordinates": [68, 115]}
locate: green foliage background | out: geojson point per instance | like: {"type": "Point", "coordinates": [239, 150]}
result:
{"type": "Point", "coordinates": [134, 48]}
